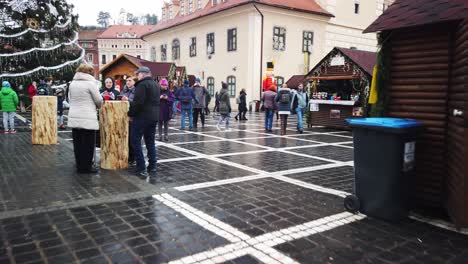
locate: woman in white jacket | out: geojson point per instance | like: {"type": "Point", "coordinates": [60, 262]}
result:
{"type": "Point", "coordinates": [84, 99]}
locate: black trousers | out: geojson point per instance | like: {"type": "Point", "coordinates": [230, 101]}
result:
{"type": "Point", "coordinates": [196, 112]}
{"type": "Point", "coordinates": [83, 145]}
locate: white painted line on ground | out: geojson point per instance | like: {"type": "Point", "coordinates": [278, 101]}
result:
{"type": "Point", "coordinates": [312, 186]}
{"type": "Point", "coordinates": [221, 182]}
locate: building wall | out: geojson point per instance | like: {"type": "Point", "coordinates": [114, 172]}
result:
{"type": "Point", "coordinates": [91, 50]}
{"type": "Point", "coordinates": [134, 49]}
{"type": "Point", "coordinates": [223, 63]}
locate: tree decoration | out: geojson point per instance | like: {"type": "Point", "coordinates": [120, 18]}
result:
{"type": "Point", "coordinates": [39, 39]}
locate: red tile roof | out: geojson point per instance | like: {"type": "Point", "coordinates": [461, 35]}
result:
{"type": "Point", "coordinates": [112, 31]}
{"type": "Point", "coordinates": [308, 6]}
{"type": "Point", "coordinates": [158, 69]}
{"type": "Point", "coordinates": [365, 59]}
{"type": "Point", "coordinates": [409, 13]}
{"type": "Point", "coordinates": [295, 80]}
{"type": "Point", "coordinates": [89, 34]}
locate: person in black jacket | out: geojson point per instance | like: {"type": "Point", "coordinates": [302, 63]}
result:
{"type": "Point", "coordinates": [144, 112]}
{"type": "Point", "coordinates": [242, 106]}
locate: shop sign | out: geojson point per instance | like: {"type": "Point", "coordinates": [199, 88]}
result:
{"type": "Point", "coordinates": [335, 114]}
{"type": "Point", "coordinates": [409, 156]}
{"type": "Point", "coordinates": [314, 107]}
{"type": "Point", "coordinates": [338, 60]}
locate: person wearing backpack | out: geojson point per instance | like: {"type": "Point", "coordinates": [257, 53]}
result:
{"type": "Point", "coordinates": [284, 99]}
{"type": "Point", "coordinates": [224, 107]}
{"type": "Point", "coordinates": [299, 103]}
{"type": "Point", "coordinates": [242, 103]}
{"type": "Point", "coordinates": [42, 89]}
{"type": "Point", "coordinates": [199, 107]}
{"type": "Point", "coordinates": [8, 103]}
{"type": "Point", "coordinates": [186, 95]}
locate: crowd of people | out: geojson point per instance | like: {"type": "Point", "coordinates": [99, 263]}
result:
{"type": "Point", "coordinates": [152, 106]}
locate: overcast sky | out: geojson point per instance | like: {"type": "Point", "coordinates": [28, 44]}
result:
{"type": "Point", "coordinates": [88, 9]}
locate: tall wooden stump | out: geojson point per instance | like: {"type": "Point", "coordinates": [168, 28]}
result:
{"type": "Point", "coordinates": [114, 135]}
{"type": "Point", "coordinates": [44, 120]}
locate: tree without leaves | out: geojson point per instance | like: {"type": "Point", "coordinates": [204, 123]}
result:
{"type": "Point", "coordinates": [103, 19]}
{"type": "Point", "coordinates": [151, 19]}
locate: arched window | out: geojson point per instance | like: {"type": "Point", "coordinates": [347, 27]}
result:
{"type": "Point", "coordinates": [279, 81]}
{"type": "Point", "coordinates": [211, 85]}
{"type": "Point", "coordinates": [175, 49]}
{"type": "Point", "coordinates": [231, 82]}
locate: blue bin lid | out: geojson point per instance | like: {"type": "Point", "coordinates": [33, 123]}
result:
{"type": "Point", "coordinates": [384, 122]}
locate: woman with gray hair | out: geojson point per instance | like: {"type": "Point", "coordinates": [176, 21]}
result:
{"type": "Point", "coordinates": [85, 99]}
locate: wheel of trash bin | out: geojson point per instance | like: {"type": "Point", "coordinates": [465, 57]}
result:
{"type": "Point", "coordinates": [352, 204]}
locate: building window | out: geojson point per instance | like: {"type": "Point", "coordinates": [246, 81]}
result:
{"type": "Point", "coordinates": [279, 81]}
{"type": "Point", "coordinates": [190, 6]}
{"type": "Point", "coordinates": [210, 43]}
{"type": "Point", "coordinates": [279, 38]}
{"type": "Point", "coordinates": [163, 52]}
{"type": "Point", "coordinates": [175, 49]}
{"type": "Point", "coordinates": [182, 7]}
{"type": "Point", "coordinates": [211, 85]}
{"type": "Point", "coordinates": [307, 41]}
{"type": "Point", "coordinates": [153, 53]}
{"type": "Point", "coordinates": [232, 39]}
{"type": "Point", "coordinates": [114, 57]}
{"type": "Point", "coordinates": [90, 57]}
{"type": "Point", "coordinates": [103, 59]}
{"type": "Point", "coordinates": [215, 2]}
{"type": "Point", "coordinates": [356, 6]}
{"type": "Point", "coordinates": [139, 56]}
{"type": "Point", "coordinates": [193, 47]}
{"type": "Point", "coordinates": [199, 4]}
{"type": "Point", "coordinates": [231, 82]}
{"type": "Point", "coordinates": [170, 12]}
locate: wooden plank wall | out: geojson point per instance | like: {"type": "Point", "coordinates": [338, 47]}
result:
{"type": "Point", "coordinates": [419, 89]}
{"type": "Point", "coordinates": [457, 180]}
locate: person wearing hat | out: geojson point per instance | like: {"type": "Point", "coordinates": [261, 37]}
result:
{"type": "Point", "coordinates": [144, 112]}
{"type": "Point", "coordinates": [186, 95]}
{"type": "Point", "coordinates": [8, 103]}
{"type": "Point", "coordinates": [199, 107]}
{"type": "Point", "coordinates": [224, 107]}
{"type": "Point", "coordinates": [165, 112]}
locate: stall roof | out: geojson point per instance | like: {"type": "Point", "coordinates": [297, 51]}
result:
{"type": "Point", "coordinates": [158, 69]}
{"type": "Point", "coordinates": [295, 80]}
{"type": "Point", "coordinates": [405, 13]}
{"type": "Point", "coordinates": [365, 60]}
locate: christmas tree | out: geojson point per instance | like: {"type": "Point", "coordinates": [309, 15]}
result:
{"type": "Point", "coordinates": [38, 39]}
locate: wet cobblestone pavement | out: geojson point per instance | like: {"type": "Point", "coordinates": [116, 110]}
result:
{"type": "Point", "coordinates": [240, 197]}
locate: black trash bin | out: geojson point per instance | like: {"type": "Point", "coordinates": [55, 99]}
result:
{"type": "Point", "coordinates": [384, 160]}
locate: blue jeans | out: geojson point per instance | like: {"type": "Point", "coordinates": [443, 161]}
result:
{"type": "Point", "coordinates": [175, 109]}
{"type": "Point", "coordinates": [188, 112]}
{"type": "Point", "coordinates": [300, 115]}
{"type": "Point", "coordinates": [9, 120]}
{"type": "Point", "coordinates": [269, 119]}
{"type": "Point", "coordinates": [143, 128]}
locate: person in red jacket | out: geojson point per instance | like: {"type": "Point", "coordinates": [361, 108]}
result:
{"type": "Point", "coordinates": [32, 90]}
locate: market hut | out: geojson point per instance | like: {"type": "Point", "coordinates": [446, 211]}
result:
{"type": "Point", "coordinates": [125, 65]}
{"type": "Point", "coordinates": [340, 87]}
{"type": "Point", "coordinates": [295, 80]}
{"type": "Point", "coordinates": [423, 74]}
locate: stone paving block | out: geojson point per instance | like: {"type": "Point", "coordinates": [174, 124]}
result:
{"type": "Point", "coordinates": [277, 142]}
{"type": "Point", "coordinates": [223, 147]}
{"type": "Point", "coordinates": [274, 161]}
{"type": "Point", "coordinates": [163, 231]}
{"type": "Point", "coordinates": [187, 137]}
{"type": "Point", "coordinates": [244, 260]}
{"type": "Point", "coordinates": [374, 241]}
{"type": "Point", "coordinates": [164, 153]}
{"type": "Point", "coordinates": [340, 178]}
{"type": "Point", "coordinates": [324, 138]}
{"type": "Point", "coordinates": [260, 206]}
{"type": "Point", "coordinates": [328, 152]}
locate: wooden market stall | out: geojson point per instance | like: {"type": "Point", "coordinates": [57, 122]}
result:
{"type": "Point", "coordinates": [427, 79]}
{"type": "Point", "coordinates": [125, 65]}
{"type": "Point", "coordinates": [340, 87]}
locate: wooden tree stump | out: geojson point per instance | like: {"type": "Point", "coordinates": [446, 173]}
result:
{"type": "Point", "coordinates": [44, 120]}
{"type": "Point", "coordinates": [113, 121]}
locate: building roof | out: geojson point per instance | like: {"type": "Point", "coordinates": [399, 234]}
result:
{"type": "Point", "coordinates": [89, 34]}
{"type": "Point", "coordinates": [308, 6]}
{"type": "Point", "coordinates": [365, 59]}
{"type": "Point", "coordinates": [409, 13]}
{"type": "Point", "coordinates": [136, 31]}
{"type": "Point", "coordinates": [158, 69]}
{"type": "Point", "coordinates": [295, 80]}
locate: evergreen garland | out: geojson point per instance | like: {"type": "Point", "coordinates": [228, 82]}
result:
{"type": "Point", "coordinates": [383, 75]}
